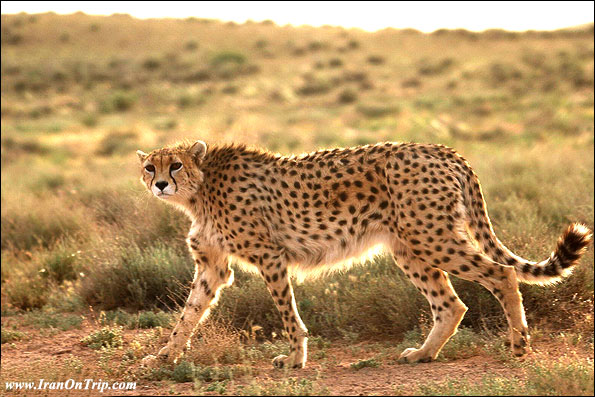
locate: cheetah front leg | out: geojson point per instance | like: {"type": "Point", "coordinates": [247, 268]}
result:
{"type": "Point", "coordinates": [212, 273]}
{"type": "Point", "coordinates": [279, 286]}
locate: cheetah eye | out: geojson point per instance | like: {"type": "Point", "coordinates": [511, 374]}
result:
{"type": "Point", "coordinates": [150, 168]}
{"type": "Point", "coordinates": [175, 166]}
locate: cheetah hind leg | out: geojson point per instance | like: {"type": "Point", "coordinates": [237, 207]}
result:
{"type": "Point", "coordinates": [447, 309]}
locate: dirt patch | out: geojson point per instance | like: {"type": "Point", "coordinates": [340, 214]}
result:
{"type": "Point", "coordinates": [44, 353]}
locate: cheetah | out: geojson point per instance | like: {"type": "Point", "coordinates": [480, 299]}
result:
{"type": "Point", "coordinates": [310, 214]}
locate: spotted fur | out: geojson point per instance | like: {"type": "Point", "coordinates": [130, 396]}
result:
{"type": "Point", "coordinates": [312, 213]}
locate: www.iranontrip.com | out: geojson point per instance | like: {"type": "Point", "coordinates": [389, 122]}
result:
{"type": "Point", "coordinates": [71, 384]}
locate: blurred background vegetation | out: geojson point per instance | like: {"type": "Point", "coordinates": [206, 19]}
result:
{"type": "Point", "coordinates": [81, 93]}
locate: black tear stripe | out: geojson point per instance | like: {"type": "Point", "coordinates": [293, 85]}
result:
{"type": "Point", "coordinates": [151, 183]}
{"type": "Point", "coordinates": [173, 179]}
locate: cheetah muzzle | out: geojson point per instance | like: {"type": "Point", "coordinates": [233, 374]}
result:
{"type": "Point", "coordinates": [284, 215]}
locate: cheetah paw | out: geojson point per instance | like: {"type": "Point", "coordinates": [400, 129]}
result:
{"type": "Point", "coordinates": [412, 355]}
{"type": "Point", "coordinates": [284, 361]}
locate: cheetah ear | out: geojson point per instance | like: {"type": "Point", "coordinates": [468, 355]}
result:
{"type": "Point", "coordinates": [198, 150]}
{"type": "Point", "coordinates": [141, 155]}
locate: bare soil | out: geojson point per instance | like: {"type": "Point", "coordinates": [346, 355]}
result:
{"type": "Point", "coordinates": [32, 358]}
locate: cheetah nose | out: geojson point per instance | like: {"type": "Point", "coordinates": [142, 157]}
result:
{"type": "Point", "coordinates": [161, 184]}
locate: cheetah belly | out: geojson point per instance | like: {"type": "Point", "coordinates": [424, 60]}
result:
{"type": "Point", "coordinates": [324, 258]}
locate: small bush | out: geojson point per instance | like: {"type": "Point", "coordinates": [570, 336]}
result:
{"type": "Point", "coordinates": [428, 67]}
{"type": "Point", "coordinates": [151, 320]}
{"type": "Point", "coordinates": [314, 86]}
{"type": "Point", "coordinates": [151, 63]}
{"type": "Point", "coordinates": [377, 110]}
{"type": "Point", "coordinates": [347, 96]}
{"type": "Point", "coordinates": [117, 142]}
{"type": "Point", "coordinates": [119, 101]}
{"type": "Point", "coordinates": [226, 57]}
{"type": "Point", "coordinates": [64, 322]}
{"type": "Point", "coordinates": [376, 60]}
{"type": "Point", "coordinates": [90, 120]}
{"type": "Point", "coordinates": [128, 276]}
{"type": "Point", "coordinates": [166, 124]}
{"type": "Point", "coordinates": [371, 363]}
{"type": "Point", "coordinates": [184, 372]}
{"type": "Point", "coordinates": [9, 336]}
{"type": "Point", "coordinates": [191, 45]}
{"type": "Point", "coordinates": [262, 43]}
{"type": "Point", "coordinates": [412, 82]}
{"type": "Point", "coordinates": [353, 44]}
{"type": "Point", "coordinates": [59, 265]}
{"type": "Point", "coordinates": [108, 337]}
{"type": "Point", "coordinates": [316, 45]}
{"type": "Point", "coordinates": [500, 73]}
{"type": "Point", "coordinates": [26, 293]}
{"type": "Point", "coordinates": [335, 62]}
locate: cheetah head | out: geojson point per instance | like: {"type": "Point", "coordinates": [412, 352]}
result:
{"type": "Point", "coordinates": [173, 173]}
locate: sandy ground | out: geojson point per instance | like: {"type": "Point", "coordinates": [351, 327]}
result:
{"type": "Point", "coordinates": [42, 351]}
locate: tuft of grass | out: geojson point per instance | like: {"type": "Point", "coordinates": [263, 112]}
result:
{"type": "Point", "coordinates": [59, 264]}
{"type": "Point", "coordinates": [347, 96]}
{"type": "Point", "coordinates": [376, 59]}
{"type": "Point", "coordinates": [227, 57]}
{"type": "Point", "coordinates": [429, 67]}
{"type": "Point", "coordinates": [377, 109]}
{"type": "Point", "coordinates": [117, 142]}
{"type": "Point", "coordinates": [106, 337]}
{"type": "Point", "coordinates": [119, 101]}
{"type": "Point", "coordinates": [9, 336]}
{"type": "Point", "coordinates": [286, 387]}
{"type": "Point", "coordinates": [184, 372]}
{"type": "Point", "coordinates": [128, 276]}
{"type": "Point", "coordinates": [545, 378]}
{"type": "Point", "coordinates": [63, 322]}
{"type": "Point", "coordinates": [371, 363]}
{"type": "Point", "coordinates": [314, 86]}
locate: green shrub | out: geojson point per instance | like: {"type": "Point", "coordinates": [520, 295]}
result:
{"type": "Point", "coordinates": [347, 96]}
{"type": "Point", "coordinates": [90, 120]}
{"type": "Point", "coordinates": [371, 363]}
{"type": "Point", "coordinates": [41, 319]}
{"type": "Point", "coordinates": [26, 291]}
{"type": "Point", "coordinates": [500, 73]}
{"type": "Point", "coordinates": [152, 320]}
{"type": "Point", "coordinates": [152, 63]}
{"type": "Point", "coordinates": [59, 264]}
{"type": "Point", "coordinates": [335, 62]}
{"type": "Point", "coordinates": [108, 337]}
{"type": "Point", "coordinates": [124, 275]}
{"type": "Point", "coordinates": [314, 86]}
{"type": "Point", "coordinates": [427, 66]}
{"type": "Point", "coordinates": [191, 45]}
{"type": "Point", "coordinates": [119, 101]}
{"type": "Point", "coordinates": [39, 227]}
{"type": "Point", "coordinates": [184, 372]}
{"type": "Point", "coordinates": [9, 336]}
{"type": "Point", "coordinates": [376, 59]}
{"type": "Point", "coordinates": [226, 57]}
{"type": "Point", "coordinates": [377, 110]}
{"type": "Point", "coordinates": [117, 142]}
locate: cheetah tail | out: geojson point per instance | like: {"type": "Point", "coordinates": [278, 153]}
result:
{"type": "Point", "coordinates": [572, 244]}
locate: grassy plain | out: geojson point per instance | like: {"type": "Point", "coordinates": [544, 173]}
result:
{"type": "Point", "coordinates": [84, 247]}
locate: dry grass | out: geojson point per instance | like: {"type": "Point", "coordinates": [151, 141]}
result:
{"type": "Point", "coordinates": [80, 94]}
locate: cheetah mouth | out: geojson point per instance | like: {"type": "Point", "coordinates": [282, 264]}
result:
{"type": "Point", "coordinates": [163, 195]}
